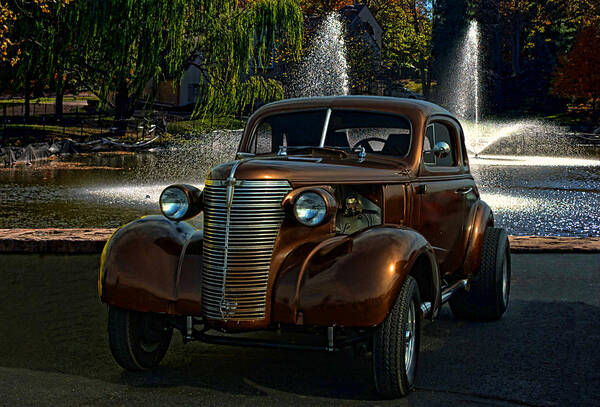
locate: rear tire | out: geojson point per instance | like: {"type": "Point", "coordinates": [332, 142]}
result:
{"type": "Point", "coordinates": [138, 340]}
{"type": "Point", "coordinates": [396, 344]}
{"type": "Point", "coordinates": [488, 294]}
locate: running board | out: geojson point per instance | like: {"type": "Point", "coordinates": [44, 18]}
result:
{"type": "Point", "coordinates": [446, 295]}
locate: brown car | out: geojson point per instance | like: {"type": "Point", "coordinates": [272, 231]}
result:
{"type": "Point", "coordinates": [352, 218]}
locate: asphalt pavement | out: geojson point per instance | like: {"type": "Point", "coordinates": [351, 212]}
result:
{"type": "Point", "coordinates": [545, 351]}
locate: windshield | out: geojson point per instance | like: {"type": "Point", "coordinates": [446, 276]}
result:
{"type": "Point", "coordinates": [377, 133]}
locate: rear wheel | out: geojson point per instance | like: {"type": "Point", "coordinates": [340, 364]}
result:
{"type": "Point", "coordinates": [138, 340]}
{"type": "Point", "coordinates": [396, 344]}
{"type": "Point", "coordinates": [489, 291]}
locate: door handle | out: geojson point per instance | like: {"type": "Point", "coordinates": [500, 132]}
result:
{"type": "Point", "coordinates": [464, 190]}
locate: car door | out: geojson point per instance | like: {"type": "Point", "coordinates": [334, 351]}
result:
{"type": "Point", "coordinates": [443, 189]}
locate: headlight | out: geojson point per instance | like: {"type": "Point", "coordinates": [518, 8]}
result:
{"type": "Point", "coordinates": [310, 208]}
{"type": "Point", "coordinates": [179, 202]}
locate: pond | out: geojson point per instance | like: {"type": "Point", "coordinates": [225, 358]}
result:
{"type": "Point", "coordinates": [529, 195]}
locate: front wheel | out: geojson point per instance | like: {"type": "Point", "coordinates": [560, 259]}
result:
{"type": "Point", "coordinates": [138, 340]}
{"type": "Point", "coordinates": [396, 344]}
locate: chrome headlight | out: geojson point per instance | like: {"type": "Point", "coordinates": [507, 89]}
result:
{"type": "Point", "coordinates": [310, 208]}
{"type": "Point", "coordinates": [179, 202]}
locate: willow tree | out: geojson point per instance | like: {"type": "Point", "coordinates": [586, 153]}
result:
{"type": "Point", "coordinates": [132, 43]}
{"type": "Point", "coordinates": [230, 43]}
{"type": "Point", "coordinates": [125, 44]}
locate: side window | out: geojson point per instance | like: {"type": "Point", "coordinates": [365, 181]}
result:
{"type": "Point", "coordinates": [435, 133]}
{"type": "Point", "coordinates": [428, 143]}
{"type": "Point", "coordinates": [442, 133]}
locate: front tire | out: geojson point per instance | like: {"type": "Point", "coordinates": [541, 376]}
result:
{"type": "Point", "coordinates": [396, 344]}
{"type": "Point", "coordinates": [489, 290]}
{"type": "Point", "coordinates": [138, 340]}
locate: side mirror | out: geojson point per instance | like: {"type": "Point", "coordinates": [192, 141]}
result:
{"type": "Point", "coordinates": [440, 150]}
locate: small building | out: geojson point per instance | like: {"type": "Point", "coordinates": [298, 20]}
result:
{"type": "Point", "coordinates": [361, 22]}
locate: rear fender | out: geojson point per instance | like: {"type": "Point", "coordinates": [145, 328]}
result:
{"type": "Point", "coordinates": [352, 280]}
{"type": "Point", "coordinates": [153, 265]}
{"type": "Point", "coordinates": [480, 218]}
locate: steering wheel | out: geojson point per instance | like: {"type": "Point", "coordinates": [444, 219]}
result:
{"type": "Point", "coordinates": [365, 143]}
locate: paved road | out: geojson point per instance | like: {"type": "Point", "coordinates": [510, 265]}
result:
{"type": "Point", "coordinates": [543, 352]}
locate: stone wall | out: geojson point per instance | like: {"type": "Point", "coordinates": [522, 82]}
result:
{"type": "Point", "coordinates": [90, 241]}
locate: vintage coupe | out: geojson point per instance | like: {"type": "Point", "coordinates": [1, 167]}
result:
{"type": "Point", "coordinates": [349, 217]}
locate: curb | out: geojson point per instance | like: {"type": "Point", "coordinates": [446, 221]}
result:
{"type": "Point", "coordinates": [92, 241]}
{"type": "Point", "coordinates": [53, 241]}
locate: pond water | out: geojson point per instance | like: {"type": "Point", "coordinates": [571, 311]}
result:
{"type": "Point", "coordinates": [529, 195]}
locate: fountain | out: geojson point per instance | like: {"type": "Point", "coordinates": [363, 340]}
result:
{"type": "Point", "coordinates": [465, 100]}
{"type": "Point", "coordinates": [324, 70]}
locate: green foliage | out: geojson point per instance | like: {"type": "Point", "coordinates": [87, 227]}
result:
{"type": "Point", "coordinates": [126, 44]}
{"type": "Point", "coordinates": [228, 43]}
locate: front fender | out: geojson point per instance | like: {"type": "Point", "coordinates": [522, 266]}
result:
{"type": "Point", "coordinates": [153, 265]}
{"type": "Point", "coordinates": [352, 280]}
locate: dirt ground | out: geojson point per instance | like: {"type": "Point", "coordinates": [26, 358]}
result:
{"type": "Point", "coordinates": [543, 352]}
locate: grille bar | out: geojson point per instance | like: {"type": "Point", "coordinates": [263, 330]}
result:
{"type": "Point", "coordinates": [238, 245]}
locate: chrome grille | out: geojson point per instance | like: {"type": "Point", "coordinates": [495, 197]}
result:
{"type": "Point", "coordinates": [238, 243]}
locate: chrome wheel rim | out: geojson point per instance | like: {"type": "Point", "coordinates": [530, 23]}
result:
{"type": "Point", "coordinates": [409, 343]}
{"type": "Point", "coordinates": [505, 282]}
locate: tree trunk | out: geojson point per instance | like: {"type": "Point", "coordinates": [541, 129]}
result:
{"type": "Point", "coordinates": [424, 82]}
{"type": "Point", "coordinates": [122, 107]}
{"type": "Point", "coordinates": [58, 103]}
{"type": "Point", "coordinates": [498, 91]}
{"type": "Point", "coordinates": [27, 91]}
{"type": "Point", "coordinates": [516, 46]}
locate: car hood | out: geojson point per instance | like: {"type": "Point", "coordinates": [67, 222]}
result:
{"type": "Point", "coordinates": [309, 169]}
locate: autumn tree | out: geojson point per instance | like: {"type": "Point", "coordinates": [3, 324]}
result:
{"type": "Point", "coordinates": [29, 44]}
{"type": "Point", "coordinates": [577, 75]}
{"type": "Point", "coordinates": [323, 7]}
{"type": "Point", "coordinates": [407, 26]}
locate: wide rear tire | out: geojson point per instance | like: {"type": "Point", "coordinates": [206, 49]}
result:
{"type": "Point", "coordinates": [138, 340]}
{"type": "Point", "coordinates": [489, 290]}
{"type": "Point", "coordinates": [396, 344]}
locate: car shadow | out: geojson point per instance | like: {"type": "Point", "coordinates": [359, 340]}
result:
{"type": "Point", "coordinates": [539, 353]}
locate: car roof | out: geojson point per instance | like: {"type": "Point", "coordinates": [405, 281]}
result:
{"type": "Point", "coordinates": [425, 108]}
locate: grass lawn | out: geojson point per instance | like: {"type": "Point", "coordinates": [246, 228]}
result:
{"type": "Point", "coordinates": [45, 100]}
{"type": "Point", "coordinates": [204, 125]}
